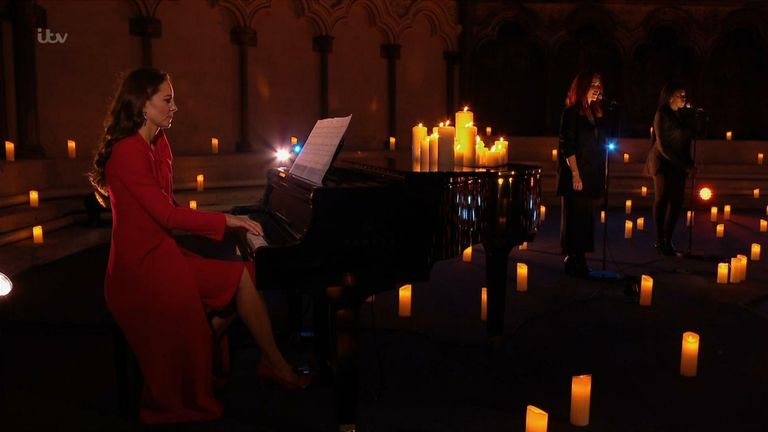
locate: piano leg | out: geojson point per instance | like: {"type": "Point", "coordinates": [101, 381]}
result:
{"type": "Point", "coordinates": [346, 367]}
{"type": "Point", "coordinates": [496, 279]}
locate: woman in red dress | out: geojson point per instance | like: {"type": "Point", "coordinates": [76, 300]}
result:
{"type": "Point", "coordinates": [157, 291]}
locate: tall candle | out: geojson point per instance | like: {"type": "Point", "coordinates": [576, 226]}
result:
{"type": "Point", "coordinates": [392, 144]}
{"type": "Point", "coordinates": [34, 198]}
{"type": "Point", "coordinates": [467, 255]}
{"type": "Point", "coordinates": [756, 192]}
{"type": "Point", "coordinates": [446, 141]}
{"type": "Point", "coordinates": [722, 273]}
{"type": "Point", "coordinates": [215, 145]}
{"type": "Point", "coordinates": [628, 206]}
{"type": "Point", "coordinates": [755, 252]}
{"type": "Point", "coordinates": [193, 204]}
{"type": "Point", "coordinates": [464, 117]}
{"type": "Point", "coordinates": [200, 182]}
{"type": "Point", "coordinates": [488, 131]}
{"type": "Point", "coordinates": [688, 216]}
{"type": "Point", "coordinates": [720, 230]}
{"type": "Point", "coordinates": [535, 420]}
{"type": "Point", "coordinates": [713, 214]}
{"type": "Point", "coordinates": [759, 158]}
{"type": "Point", "coordinates": [501, 149]}
{"type": "Point", "coordinates": [641, 224]}
{"type": "Point", "coordinates": [543, 212]}
{"type": "Point", "coordinates": [689, 355]}
{"type": "Point", "coordinates": [483, 304]}
{"type": "Point", "coordinates": [727, 212]}
{"type": "Point", "coordinates": [418, 133]}
{"type": "Point", "coordinates": [522, 277]}
{"type": "Point", "coordinates": [10, 151]}
{"type": "Point", "coordinates": [37, 234]}
{"type": "Point", "coordinates": [581, 392]}
{"type": "Point", "coordinates": [404, 303]}
{"type": "Point", "coordinates": [602, 216]}
{"type": "Point", "coordinates": [729, 136]}
{"type": "Point", "coordinates": [466, 136]}
{"type": "Point", "coordinates": [628, 229]}
{"type": "Point", "coordinates": [763, 225]}
{"type": "Point", "coordinates": [626, 157]}
{"type": "Point", "coordinates": [643, 191]}
{"type": "Point", "coordinates": [554, 155]}
{"type": "Point", "coordinates": [433, 151]}
{"type": "Point", "coordinates": [646, 290]}
{"type": "Point", "coordinates": [742, 267]}
{"type": "Point", "coordinates": [424, 154]}
{"type": "Point", "coordinates": [71, 149]}
{"type": "Point", "coordinates": [734, 271]}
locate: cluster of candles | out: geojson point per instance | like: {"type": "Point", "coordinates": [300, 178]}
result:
{"type": "Point", "coordinates": [628, 224]}
{"type": "Point", "coordinates": [449, 147]}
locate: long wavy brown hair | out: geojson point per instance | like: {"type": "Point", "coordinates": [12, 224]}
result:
{"type": "Point", "coordinates": [125, 117]}
{"type": "Point", "coordinates": [577, 95]}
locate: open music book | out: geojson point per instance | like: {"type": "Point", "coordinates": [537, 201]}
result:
{"type": "Point", "coordinates": [321, 147]}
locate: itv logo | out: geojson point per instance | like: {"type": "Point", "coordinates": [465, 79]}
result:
{"type": "Point", "coordinates": [51, 37]}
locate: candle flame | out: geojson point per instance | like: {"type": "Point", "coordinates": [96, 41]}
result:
{"type": "Point", "coordinates": [420, 125]}
{"type": "Point", "coordinates": [447, 122]}
{"type": "Point", "coordinates": [465, 108]}
{"type": "Point", "coordinates": [441, 124]}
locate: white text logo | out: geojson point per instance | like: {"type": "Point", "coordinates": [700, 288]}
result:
{"type": "Point", "coordinates": [51, 37]}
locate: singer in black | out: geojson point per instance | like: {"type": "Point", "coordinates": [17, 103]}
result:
{"type": "Point", "coordinates": [580, 172]}
{"type": "Point", "coordinates": [668, 162]}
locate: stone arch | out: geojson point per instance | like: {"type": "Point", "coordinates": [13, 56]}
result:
{"type": "Point", "coordinates": [243, 10]}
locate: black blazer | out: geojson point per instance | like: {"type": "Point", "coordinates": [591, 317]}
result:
{"type": "Point", "coordinates": [671, 151]}
{"type": "Point", "coordinates": [578, 136]}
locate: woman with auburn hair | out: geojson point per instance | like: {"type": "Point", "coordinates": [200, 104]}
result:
{"type": "Point", "coordinates": [158, 292]}
{"type": "Point", "coordinates": [580, 172]}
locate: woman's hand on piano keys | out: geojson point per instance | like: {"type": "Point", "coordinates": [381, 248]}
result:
{"type": "Point", "coordinates": [244, 223]}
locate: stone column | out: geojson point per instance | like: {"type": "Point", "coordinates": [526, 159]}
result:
{"type": "Point", "coordinates": [3, 81]}
{"type": "Point", "coordinates": [324, 46]}
{"type": "Point", "coordinates": [147, 28]}
{"type": "Point", "coordinates": [452, 59]}
{"type": "Point", "coordinates": [243, 37]}
{"type": "Point", "coordinates": [391, 52]}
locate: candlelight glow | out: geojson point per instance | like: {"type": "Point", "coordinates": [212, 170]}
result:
{"type": "Point", "coordinates": [6, 286]}
{"type": "Point", "coordinates": [689, 356]}
{"type": "Point", "coordinates": [404, 304]}
{"type": "Point", "coordinates": [705, 194]}
{"type": "Point", "coordinates": [283, 155]}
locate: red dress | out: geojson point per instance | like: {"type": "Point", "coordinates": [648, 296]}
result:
{"type": "Point", "coordinates": [156, 290]}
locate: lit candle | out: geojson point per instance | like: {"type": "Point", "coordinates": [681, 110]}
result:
{"type": "Point", "coordinates": [543, 212]}
{"type": "Point", "coordinates": [215, 145]}
{"type": "Point", "coordinates": [466, 136]}
{"type": "Point", "coordinates": [581, 391]}
{"type": "Point", "coordinates": [392, 142]}
{"type": "Point", "coordinates": [641, 224]}
{"type": "Point", "coordinates": [424, 152]}
{"type": "Point", "coordinates": [755, 256]}
{"type": "Point", "coordinates": [628, 229]}
{"type": "Point", "coordinates": [554, 155]}
{"type": "Point", "coordinates": [722, 273]}
{"type": "Point", "coordinates": [37, 234]}
{"type": "Point", "coordinates": [727, 212]}
{"type": "Point", "coordinates": [689, 356]}
{"type": "Point", "coordinates": [734, 271]}
{"type": "Point", "coordinates": [467, 255]}
{"type": "Point", "coordinates": [729, 136]}
{"type": "Point", "coordinates": [464, 117]}
{"type": "Point", "coordinates": [10, 151]}
{"type": "Point", "coordinates": [713, 214]}
{"type": "Point", "coordinates": [522, 277]}
{"type": "Point", "coordinates": [404, 307]}
{"type": "Point", "coordinates": [756, 192]}
{"type": "Point", "coordinates": [433, 150]}
{"type": "Point", "coordinates": [418, 133]}
{"type": "Point", "coordinates": [200, 182]}
{"type": "Point", "coordinates": [501, 151]}
{"type": "Point", "coordinates": [742, 267]}
{"type": "Point", "coordinates": [71, 149]}
{"type": "Point", "coordinates": [294, 140]}
{"type": "Point", "coordinates": [643, 191]}
{"type": "Point", "coordinates": [524, 246]}
{"type": "Point", "coordinates": [628, 206]}
{"type": "Point", "coordinates": [193, 204]}
{"type": "Point", "coordinates": [763, 225]}
{"type": "Point", "coordinates": [488, 131]}
{"type": "Point", "coordinates": [535, 420]}
{"type": "Point", "coordinates": [720, 230]}
{"type": "Point", "coordinates": [626, 157]}
{"type": "Point", "coordinates": [688, 216]}
{"type": "Point", "coordinates": [646, 290]}
{"type": "Point", "coordinates": [34, 198]}
{"type": "Point", "coordinates": [759, 158]}
{"type": "Point", "coordinates": [483, 304]}
{"type": "Point", "coordinates": [602, 216]}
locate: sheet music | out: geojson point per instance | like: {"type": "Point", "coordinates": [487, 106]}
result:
{"type": "Point", "coordinates": [317, 154]}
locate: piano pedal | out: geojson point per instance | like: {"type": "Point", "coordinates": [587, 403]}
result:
{"type": "Point", "coordinates": [347, 428]}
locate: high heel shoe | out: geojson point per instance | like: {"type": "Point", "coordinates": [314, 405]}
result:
{"type": "Point", "coordinates": [267, 373]}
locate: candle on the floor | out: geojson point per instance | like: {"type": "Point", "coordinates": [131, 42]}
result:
{"type": "Point", "coordinates": [523, 246]}
{"type": "Point", "coordinates": [626, 157]}
{"type": "Point", "coordinates": [535, 420]}
{"type": "Point", "coordinates": [755, 252]}
{"type": "Point", "coordinates": [215, 145]}
{"type": "Point", "coordinates": [641, 224]}
{"type": "Point", "coordinates": [37, 234]}
{"type": "Point", "coordinates": [193, 204]}
{"type": "Point", "coordinates": [392, 142]}
{"type": "Point", "coordinates": [488, 131]}
{"type": "Point", "coordinates": [10, 151]}
{"type": "Point", "coordinates": [581, 391]}
{"type": "Point", "coordinates": [734, 278]}
{"type": "Point", "coordinates": [200, 182]}
{"type": "Point", "coordinates": [34, 198]}
{"type": "Point", "coordinates": [522, 277]}
{"type": "Point", "coordinates": [628, 206]}
{"type": "Point", "coordinates": [646, 290]}
{"type": "Point", "coordinates": [763, 225]}
{"type": "Point", "coordinates": [727, 212]}
{"type": "Point", "coordinates": [722, 273]}
{"type": "Point", "coordinates": [688, 216]}
{"type": "Point", "coordinates": [602, 216]}
{"type": "Point", "coordinates": [756, 192]}
{"type": "Point", "coordinates": [720, 230]}
{"type": "Point", "coordinates": [713, 214]}
{"type": "Point", "coordinates": [554, 155]}
{"type": "Point", "coordinates": [742, 267]}
{"type": "Point", "coordinates": [467, 255]}
{"type": "Point", "coordinates": [689, 356]}
{"type": "Point", "coordinates": [628, 229]}
{"type": "Point", "coordinates": [483, 304]}
{"type": "Point", "coordinates": [759, 158]}
{"type": "Point", "coordinates": [71, 149]}
{"type": "Point", "coordinates": [404, 304]}
{"type": "Point", "coordinates": [543, 211]}
{"type": "Point", "coordinates": [643, 191]}
{"type": "Point", "coordinates": [729, 135]}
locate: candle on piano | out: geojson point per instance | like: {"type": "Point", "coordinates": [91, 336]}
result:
{"type": "Point", "coordinates": [295, 140]}
{"type": "Point", "coordinates": [720, 230]}
{"type": "Point", "coordinates": [483, 304]}
{"type": "Point", "coordinates": [34, 198]}
{"type": "Point", "coordinates": [626, 157]}
{"type": "Point", "coordinates": [727, 212]}
{"type": "Point", "coordinates": [755, 252]}
{"type": "Point", "coordinates": [729, 136]}
{"type": "Point", "coordinates": [756, 192]}
{"type": "Point", "coordinates": [193, 204]}
{"type": "Point", "coordinates": [628, 229]}
{"type": "Point", "coordinates": [215, 145]}
{"type": "Point", "coordinates": [759, 158]}
{"type": "Point", "coordinates": [646, 290]}
{"type": "Point", "coordinates": [554, 155]}
{"type": "Point", "coordinates": [200, 182]}
{"type": "Point", "coordinates": [689, 355]}
{"type": "Point", "coordinates": [10, 151]}
{"type": "Point", "coordinates": [602, 216]}
{"type": "Point", "coordinates": [643, 191]}
{"type": "Point", "coordinates": [641, 224]}
{"type": "Point", "coordinates": [628, 206]}
{"type": "Point", "coordinates": [467, 255]}
{"type": "Point", "coordinates": [722, 273]}
{"type": "Point", "coordinates": [467, 138]}
{"type": "Point", "coordinates": [522, 277]}
{"type": "Point", "coordinates": [433, 150]}
{"type": "Point", "coordinates": [501, 151]}
{"type": "Point", "coordinates": [418, 134]}
{"type": "Point", "coordinates": [446, 142]}
{"type": "Point", "coordinates": [392, 144]}
{"type": "Point", "coordinates": [424, 154]}
{"type": "Point", "coordinates": [404, 304]}
{"type": "Point", "coordinates": [71, 149]}
{"type": "Point", "coordinates": [458, 156]}
{"type": "Point", "coordinates": [37, 234]}
{"type": "Point", "coordinates": [734, 271]}
{"type": "Point", "coordinates": [713, 214]}
{"type": "Point", "coordinates": [535, 420]}
{"type": "Point", "coordinates": [742, 267]}
{"type": "Point", "coordinates": [688, 216]}
{"type": "Point", "coordinates": [488, 131]}
{"type": "Point", "coordinates": [763, 225]}
{"type": "Point", "coordinates": [543, 211]}
{"type": "Point", "coordinates": [581, 392]}
{"type": "Point", "coordinates": [464, 117]}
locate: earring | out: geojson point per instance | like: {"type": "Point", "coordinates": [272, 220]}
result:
{"type": "Point", "coordinates": [145, 118]}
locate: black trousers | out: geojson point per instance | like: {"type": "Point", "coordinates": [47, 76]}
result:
{"type": "Point", "coordinates": [669, 192]}
{"type": "Point", "coordinates": [577, 225]}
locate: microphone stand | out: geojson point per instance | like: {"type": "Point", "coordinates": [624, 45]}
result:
{"type": "Point", "coordinates": [692, 196]}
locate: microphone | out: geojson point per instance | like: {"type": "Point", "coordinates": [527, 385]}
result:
{"type": "Point", "coordinates": [693, 107]}
{"type": "Point", "coordinates": [610, 102]}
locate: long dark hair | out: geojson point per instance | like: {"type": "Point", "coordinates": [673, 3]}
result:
{"type": "Point", "coordinates": [577, 95]}
{"type": "Point", "coordinates": [666, 92]}
{"type": "Point", "coordinates": [125, 117]}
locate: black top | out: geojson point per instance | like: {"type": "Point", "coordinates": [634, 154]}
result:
{"type": "Point", "coordinates": [580, 137]}
{"type": "Point", "coordinates": [671, 151]}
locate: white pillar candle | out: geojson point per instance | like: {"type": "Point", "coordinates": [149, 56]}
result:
{"type": "Point", "coordinates": [742, 267]}
{"type": "Point", "coordinates": [628, 229]}
{"type": "Point", "coordinates": [483, 304]}
{"type": "Point", "coordinates": [433, 150]}
{"type": "Point", "coordinates": [759, 158]}
{"type": "Point", "coordinates": [729, 136]}
{"type": "Point", "coordinates": [734, 278]}
{"type": "Point", "coordinates": [727, 212]}
{"type": "Point", "coordinates": [581, 392]}
{"type": "Point", "coordinates": [193, 204]}
{"type": "Point", "coordinates": [535, 420]}
{"type": "Point", "coordinates": [554, 155]}
{"type": "Point", "coordinates": [689, 355]}
{"type": "Point", "coordinates": [424, 154]}
{"type": "Point", "coordinates": [215, 145]}
{"type": "Point", "coordinates": [755, 252]}
{"type": "Point", "coordinates": [418, 133]}
{"type": "Point", "coordinates": [488, 131]}
{"type": "Point", "coordinates": [392, 144]}
{"type": "Point", "coordinates": [71, 149]}
{"type": "Point", "coordinates": [720, 230]}
{"type": "Point", "coordinates": [200, 182]}
{"type": "Point", "coordinates": [641, 224]}
{"type": "Point", "coordinates": [688, 216]}
{"type": "Point", "coordinates": [646, 290]}
{"type": "Point", "coordinates": [628, 206]}
{"type": "Point", "coordinates": [37, 234]}
{"type": "Point", "coordinates": [522, 277]}
{"type": "Point", "coordinates": [464, 117]}
{"type": "Point", "coordinates": [467, 255]}
{"type": "Point", "coordinates": [626, 157]}
{"type": "Point", "coordinates": [713, 214]}
{"type": "Point", "coordinates": [10, 151]}
{"type": "Point", "coordinates": [543, 212]}
{"type": "Point", "coordinates": [34, 198]}
{"type": "Point", "coordinates": [602, 216]}
{"type": "Point", "coordinates": [763, 225]}
{"type": "Point", "coordinates": [756, 192]}
{"type": "Point", "coordinates": [722, 273]}
{"type": "Point", "coordinates": [404, 301]}
{"type": "Point", "coordinates": [466, 137]}
{"type": "Point", "coordinates": [643, 191]}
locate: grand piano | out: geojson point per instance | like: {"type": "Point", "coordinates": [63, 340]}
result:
{"type": "Point", "coordinates": [377, 223]}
